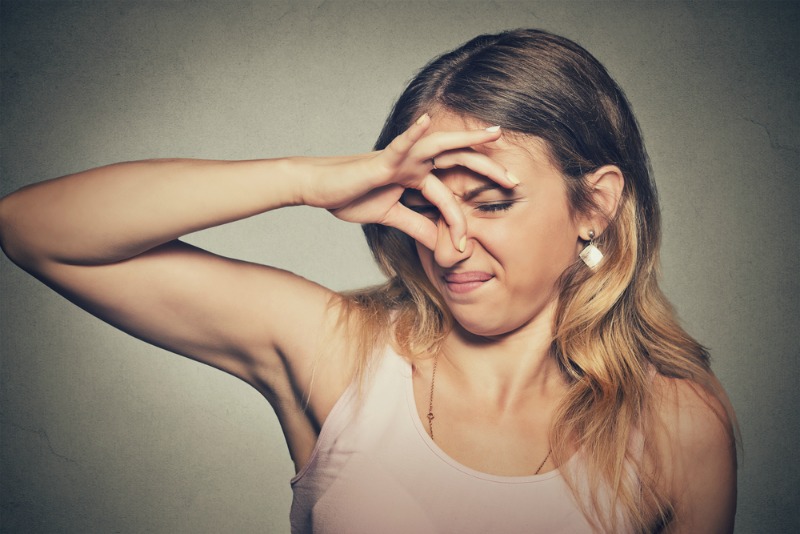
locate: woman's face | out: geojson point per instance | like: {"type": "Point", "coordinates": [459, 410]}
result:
{"type": "Point", "coordinates": [519, 241]}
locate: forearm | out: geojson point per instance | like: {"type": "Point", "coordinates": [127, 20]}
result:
{"type": "Point", "coordinates": [112, 213]}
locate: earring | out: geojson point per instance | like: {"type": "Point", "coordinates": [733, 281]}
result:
{"type": "Point", "coordinates": [591, 255]}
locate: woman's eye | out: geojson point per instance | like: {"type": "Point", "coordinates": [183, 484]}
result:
{"type": "Point", "coordinates": [494, 207]}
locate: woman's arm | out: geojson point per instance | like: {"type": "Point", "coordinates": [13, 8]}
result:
{"type": "Point", "coordinates": [107, 240]}
{"type": "Point", "coordinates": [114, 213]}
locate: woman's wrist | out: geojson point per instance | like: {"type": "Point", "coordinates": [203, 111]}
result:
{"type": "Point", "coordinates": [317, 181]}
{"type": "Point", "coordinates": [292, 178]}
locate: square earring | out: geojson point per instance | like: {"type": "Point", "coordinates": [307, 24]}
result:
{"type": "Point", "coordinates": [591, 255]}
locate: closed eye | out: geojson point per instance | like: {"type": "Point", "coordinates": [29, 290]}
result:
{"type": "Point", "coordinates": [494, 207]}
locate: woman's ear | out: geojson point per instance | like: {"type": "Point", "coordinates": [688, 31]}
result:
{"type": "Point", "coordinates": [606, 184]}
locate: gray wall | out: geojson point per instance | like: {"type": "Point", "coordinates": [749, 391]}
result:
{"type": "Point", "coordinates": [103, 434]}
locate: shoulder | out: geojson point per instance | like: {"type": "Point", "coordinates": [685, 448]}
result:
{"type": "Point", "coordinates": [695, 439]}
{"type": "Point", "coordinates": [695, 416]}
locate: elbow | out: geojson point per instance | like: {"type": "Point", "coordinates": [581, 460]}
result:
{"type": "Point", "coordinates": [6, 230]}
{"type": "Point", "coordinates": [17, 241]}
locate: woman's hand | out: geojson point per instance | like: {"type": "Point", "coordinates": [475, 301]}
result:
{"type": "Point", "coordinates": [368, 188]}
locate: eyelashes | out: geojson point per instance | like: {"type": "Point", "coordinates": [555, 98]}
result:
{"type": "Point", "coordinates": [494, 207]}
{"type": "Point", "coordinates": [488, 208]}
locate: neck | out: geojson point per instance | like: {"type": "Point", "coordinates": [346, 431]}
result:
{"type": "Point", "coordinates": [505, 370]}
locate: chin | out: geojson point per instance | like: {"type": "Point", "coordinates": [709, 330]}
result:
{"type": "Point", "coordinates": [483, 328]}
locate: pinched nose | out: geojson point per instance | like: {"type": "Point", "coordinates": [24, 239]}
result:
{"type": "Point", "coordinates": [446, 253]}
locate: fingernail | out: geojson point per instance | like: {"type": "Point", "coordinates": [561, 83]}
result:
{"type": "Point", "coordinates": [422, 118]}
{"type": "Point", "coordinates": [511, 178]}
{"type": "Point", "coordinates": [493, 129]}
{"type": "Point", "coordinates": [462, 245]}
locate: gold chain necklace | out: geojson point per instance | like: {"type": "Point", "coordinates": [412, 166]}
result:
{"type": "Point", "coordinates": [431, 416]}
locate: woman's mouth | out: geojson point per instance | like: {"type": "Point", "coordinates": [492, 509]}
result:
{"type": "Point", "coordinates": [466, 282]}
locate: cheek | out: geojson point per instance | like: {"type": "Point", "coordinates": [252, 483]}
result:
{"type": "Point", "coordinates": [544, 243]}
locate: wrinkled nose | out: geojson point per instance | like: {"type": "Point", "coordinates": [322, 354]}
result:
{"type": "Point", "coordinates": [446, 254]}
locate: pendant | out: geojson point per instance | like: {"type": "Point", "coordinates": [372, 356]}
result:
{"type": "Point", "coordinates": [591, 255]}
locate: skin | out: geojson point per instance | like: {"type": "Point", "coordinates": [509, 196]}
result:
{"type": "Point", "coordinates": [496, 386]}
{"type": "Point", "coordinates": [85, 236]}
{"type": "Point", "coordinates": [519, 241]}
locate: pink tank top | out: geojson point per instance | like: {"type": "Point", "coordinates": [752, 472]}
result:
{"type": "Point", "coordinates": [376, 470]}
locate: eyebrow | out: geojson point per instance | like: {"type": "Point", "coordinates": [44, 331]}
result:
{"type": "Point", "coordinates": [472, 193]}
{"type": "Point", "coordinates": [413, 194]}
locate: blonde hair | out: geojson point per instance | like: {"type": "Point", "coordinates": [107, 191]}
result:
{"type": "Point", "coordinates": [614, 327]}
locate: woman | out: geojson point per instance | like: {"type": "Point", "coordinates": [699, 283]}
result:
{"type": "Point", "coordinates": [520, 370]}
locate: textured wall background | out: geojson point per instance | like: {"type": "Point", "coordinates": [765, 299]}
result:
{"type": "Point", "coordinates": [103, 434]}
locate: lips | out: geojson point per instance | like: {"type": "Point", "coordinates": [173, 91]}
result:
{"type": "Point", "coordinates": [466, 282]}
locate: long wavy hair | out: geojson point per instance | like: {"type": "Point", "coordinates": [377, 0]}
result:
{"type": "Point", "coordinates": [613, 327]}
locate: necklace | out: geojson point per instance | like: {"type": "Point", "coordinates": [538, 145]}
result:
{"type": "Point", "coordinates": [430, 415]}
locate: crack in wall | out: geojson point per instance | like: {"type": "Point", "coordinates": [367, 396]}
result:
{"type": "Point", "coordinates": [43, 437]}
{"type": "Point", "coordinates": [772, 142]}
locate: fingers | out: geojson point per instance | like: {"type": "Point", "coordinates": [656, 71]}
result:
{"type": "Point", "coordinates": [410, 158]}
{"type": "Point", "coordinates": [436, 143]}
{"type": "Point", "coordinates": [478, 163]}
{"type": "Point", "coordinates": [418, 227]}
{"type": "Point", "coordinates": [424, 229]}
{"type": "Point", "coordinates": [403, 143]}
{"type": "Point", "coordinates": [412, 147]}
{"type": "Point", "coordinates": [442, 197]}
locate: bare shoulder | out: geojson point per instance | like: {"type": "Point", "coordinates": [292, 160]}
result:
{"type": "Point", "coordinates": [697, 453]}
{"type": "Point", "coordinates": [695, 419]}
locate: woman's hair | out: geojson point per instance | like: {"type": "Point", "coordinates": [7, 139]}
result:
{"type": "Point", "coordinates": [613, 325]}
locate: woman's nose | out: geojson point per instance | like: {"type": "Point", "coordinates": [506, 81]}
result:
{"type": "Point", "coordinates": [446, 253]}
